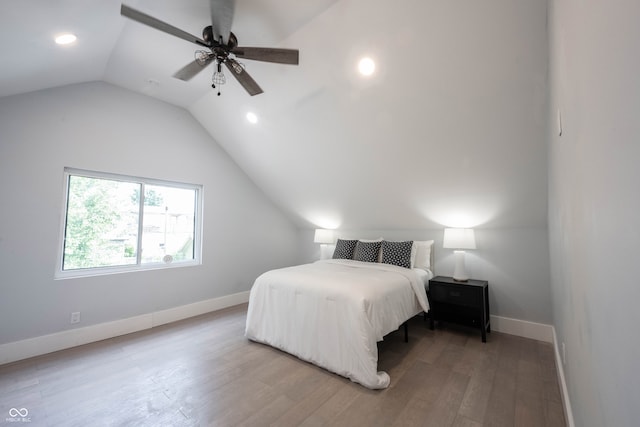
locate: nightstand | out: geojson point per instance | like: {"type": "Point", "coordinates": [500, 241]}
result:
{"type": "Point", "coordinates": [466, 303]}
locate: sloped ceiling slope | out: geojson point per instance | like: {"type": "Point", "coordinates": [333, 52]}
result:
{"type": "Point", "coordinates": [29, 58]}
{"type": "Point", "coordinates": [449, 130]}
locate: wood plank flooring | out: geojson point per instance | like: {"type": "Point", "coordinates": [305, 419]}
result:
{"type": "Point", "coordinates": [203, 372]}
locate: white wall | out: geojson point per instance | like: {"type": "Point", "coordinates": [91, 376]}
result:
{"type": "Point", "coordinates": [514, 261]}
{"type": "Point", "coordinates": [594, 200]}
{"type": "Point", "coordinates": [451, 129]}
{"type": "Point", "coordinates": [99, 127]}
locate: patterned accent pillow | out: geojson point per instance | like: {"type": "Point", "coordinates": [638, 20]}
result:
{"type": "Point", "coordinates": [397, 253]}
{"type": "Point", "coordinates": [344, 249]}
{"type": "Point", "coordinates": [367, 251]}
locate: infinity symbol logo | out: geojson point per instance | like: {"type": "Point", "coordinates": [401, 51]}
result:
{"type": "Point", "coordinates": [22, 412]}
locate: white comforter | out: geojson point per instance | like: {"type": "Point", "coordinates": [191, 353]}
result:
{"type": "Point", "coordinates": [333, 312]}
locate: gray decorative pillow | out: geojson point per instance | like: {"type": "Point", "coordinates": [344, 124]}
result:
{"type": "Point", "coordinates": [397, 253]}
{"type": "Point", "coordinates": [344, 249]}
{"type": "Point", "coordinates": [367, 251]}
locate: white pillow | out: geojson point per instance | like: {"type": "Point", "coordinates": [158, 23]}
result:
{"type": "Point", "coordinates": [421, 254]}
{"type": "Point", "coordinates": [379, 239]}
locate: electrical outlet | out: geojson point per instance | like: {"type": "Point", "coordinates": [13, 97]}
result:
{"type": "Point", "coordinates": [564, 354]}
{"type": "Point", "coordinates": [75, 317]}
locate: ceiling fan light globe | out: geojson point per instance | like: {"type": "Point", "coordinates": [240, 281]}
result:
{"type": "Point", "coordinates": [202, 57]}
{"type": "Point", "coordinates": [237, 67]}
{"type": "Point", "coordinates": [218, 78]}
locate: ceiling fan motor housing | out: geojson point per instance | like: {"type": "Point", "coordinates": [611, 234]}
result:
{"type": "Point", "coordinates": [208, 37]}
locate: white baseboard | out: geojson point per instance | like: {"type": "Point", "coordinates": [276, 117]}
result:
{"type": "Point", "coordinates": [18, 350]}
{"type": "Point", "coordinates": [198, 308]}
{"type": "Point", "coordinates": [522, 328]}
{"type": "Point", "coordinates": [564, 392]}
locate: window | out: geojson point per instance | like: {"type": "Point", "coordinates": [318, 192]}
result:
{"type": "Point", "coordinates": [114, 223]}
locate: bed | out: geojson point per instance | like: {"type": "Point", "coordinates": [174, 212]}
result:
{"type": "Point", "coordinates": [333, 312]}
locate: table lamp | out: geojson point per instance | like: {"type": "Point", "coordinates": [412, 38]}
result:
{"type": "Point", "coordinates": [459, 239]}
{"type": "Point", "coordinates": [325, 238]}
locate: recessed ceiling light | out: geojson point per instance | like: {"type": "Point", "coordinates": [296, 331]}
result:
{"type": "Point", "coordinates": [66, 38]}
{"type": "Point", "coordinates": [252, 118]}
{"type": "Point", "coordinates": [366, 66]}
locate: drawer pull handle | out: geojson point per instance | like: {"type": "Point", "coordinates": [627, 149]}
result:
{"type": "Point", "coordinates": [454, 293]}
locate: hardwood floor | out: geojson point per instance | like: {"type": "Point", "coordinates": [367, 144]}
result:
{"type": "Point", "coordinates": [202, 371]}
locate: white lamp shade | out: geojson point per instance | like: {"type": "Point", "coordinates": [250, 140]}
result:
{"type": "Point", "coordinates": [323, 236]}
{"type": "Point", "coordinates": [459, 238]}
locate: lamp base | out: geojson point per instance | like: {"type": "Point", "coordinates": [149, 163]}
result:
{"type": "Point", "coordinates": [459, 274]}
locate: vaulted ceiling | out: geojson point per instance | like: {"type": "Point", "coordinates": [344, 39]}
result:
{"type": "Point", "coordinates": [449, 130]}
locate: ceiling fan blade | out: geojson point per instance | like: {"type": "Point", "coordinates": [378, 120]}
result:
{"type": "Point", "coordinates": [243, 77]}
{"type": "Point", "coordinates": [268, 54]}
{"type": "Point", "coordinates": [143, 18]}
{"type": "Point", "coordinates": [190, 70]}
{"type": "Point", "coordinates": [221, 18]}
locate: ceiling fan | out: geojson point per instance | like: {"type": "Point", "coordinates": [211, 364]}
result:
{"type": "Point", "coordinates": [221, 44]}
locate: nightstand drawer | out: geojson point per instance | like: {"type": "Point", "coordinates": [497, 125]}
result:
{"type": "Point", "coordinates": [466, 303]}
{"type": "Point", "coordinates": [458, 295]}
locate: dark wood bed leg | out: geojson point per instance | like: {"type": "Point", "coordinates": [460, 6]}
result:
{"type": "Point", "coordinates": [406, 331]}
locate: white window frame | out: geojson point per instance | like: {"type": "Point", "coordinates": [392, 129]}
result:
{"type": "Point", "coordinates": [138, 266]}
